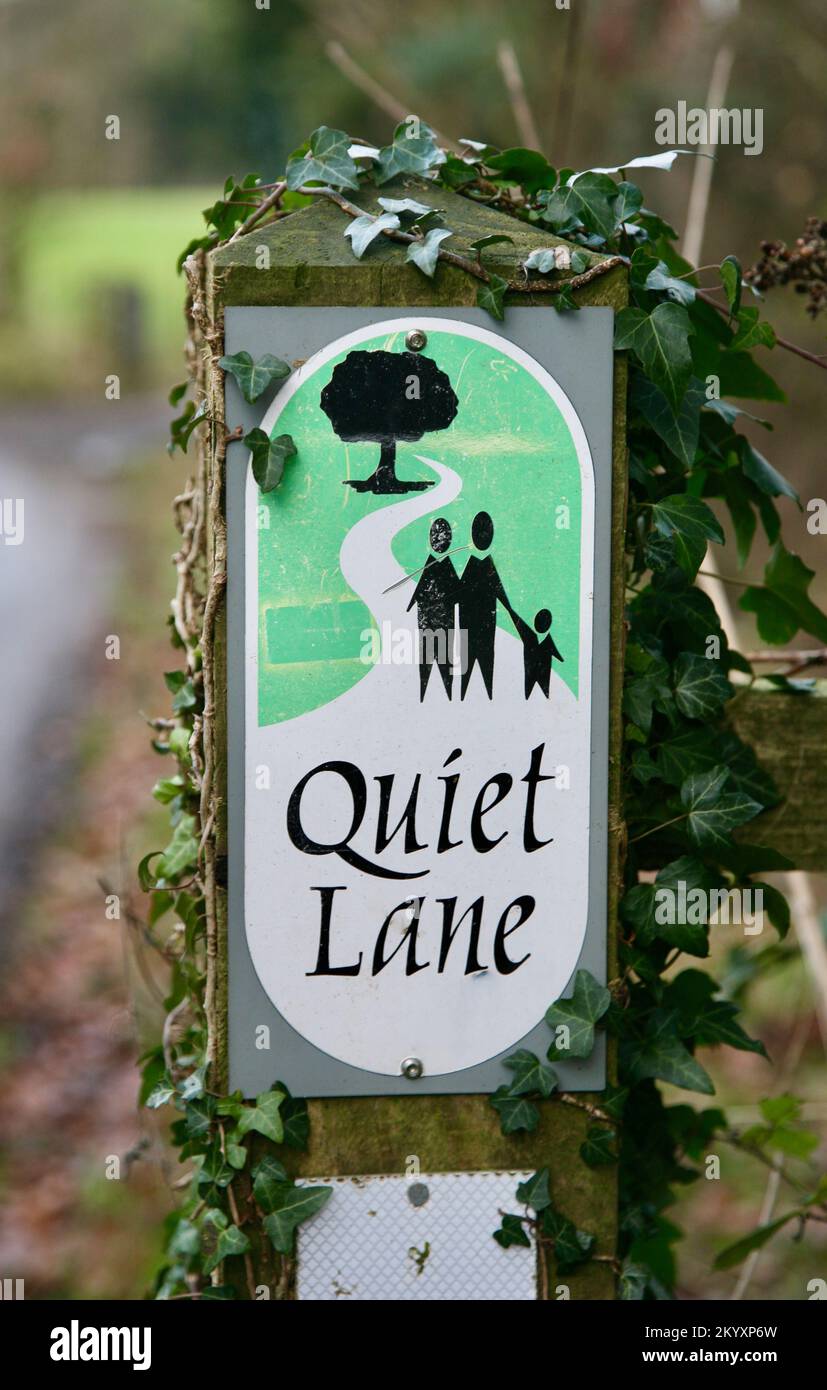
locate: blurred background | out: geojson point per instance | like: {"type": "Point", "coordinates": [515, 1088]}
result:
{"type": "Point", "coordinates": [89, 233]}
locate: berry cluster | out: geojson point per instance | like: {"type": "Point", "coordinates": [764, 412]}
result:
{"type": "Point", "coordinates": [804, 264]}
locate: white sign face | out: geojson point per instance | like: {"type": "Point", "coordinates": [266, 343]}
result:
{"type": "Point", "coordinates": [419, 594]}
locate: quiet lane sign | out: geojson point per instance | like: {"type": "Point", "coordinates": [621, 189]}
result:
{"type": "Point", "coordinates": [418, 656]}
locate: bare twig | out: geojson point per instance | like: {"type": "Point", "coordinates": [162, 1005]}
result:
{"type": "Point", "coordinates": [515, 86]}
{"type": "Point", "coordinates": [379, 95]}
{"type": "Point", "coordinates": [813, 657]}
{"type": "Point", "coordinates": [575, 23]}
{"type": "Point", "coordinates": [264, 206]}
{"type": "Point", "coordinates": [704, 168]}
{"type": "Point", "coordinates": [472, 267]}
{"type": "Point", "coordinates": [819, 361]}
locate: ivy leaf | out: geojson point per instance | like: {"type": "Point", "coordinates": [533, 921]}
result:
{"type": "Point", "coordinates": [365, 229]}
{"type": "Point", "coordinates": [766, 478]}
{"type": "Point", "coordinates": [530, 1074]}
{"type": "Point", "coordinates": [231, 1241]}
{"type": "Point", "coordinates": [534, 1191]}
{"type": "Point", "coordinates": [292, 1206]}
{"type": "Point", "coordinates": [782, 1130]}
{"type": "Point", "coordinates": [493, 239]}
{"type": "Point", "coordinates": [254, 377]}
{"type": "Point", "coordinates": [734, 1254]}
{"type": "Point", "coordinates": [564, 301]}
{"type": "Point", "coordinates": [325, 159]}
{"type": "Point", "coordinates": [628, 202]}
{"type": "Point", "coordinates": [295, 1119]}
{"type": "Point", "coordinates": [268, 1180]}
{"type": "Point", "coordinates": [783, 606]}
{"type": "Point", "coordinates": [511, 1232]}
{"type": "Point", "coordinates": [649, 686]}
{"type": "Point", "coordinates": [662, 282]}
{"type": "Point", "coordinates": [731, 279]}
{"type": "Point", "coordinates": [579, 1015]}
{"type": "Point", "coordinates": [546, 259]}
{"type": "Point", "coordinates": [183, 425]}
{"type": "Point", "coordinates": [515, 1112]}
{"type": "Point", "coordinates": [571, 1245]}
{"type": "Point", "coordinates": [692, 523]}
{"type": "Point", "coordinates": [596, 1150]}
{"type": "Point", "coordinates": [700, 688]}
{"type": "Point", "coordinates": [741, 376]}
{"type": "Point", "coordinates": [679, 429]}
{"type": "Point", "coordinates": [641, 904]}
{"type": "Point", "coordinates": [587, 202]}
{"type": "Point", "coordinates": [181, 853]}
{"type": "Point", "coordinates": [491, 297]}
{"type": "Point", "coordinates": [425, 253]}
{"type": "Point", "coordinates": [528, 168]}
{"type": "Point", "coordinates": [660, 1054]}
{"type": "Point", "coordinates": [752, 332]}
{"type": "Point", "coordinates": [228, 212]}
{"type": "Point", "coordinates": [263, 1117]}
{"type": "Point", "coordinates": [660, 342]}
{"type": "Point", "coordinates": [776, 905]}
{"type": "Point", "coordinates": [269, 456]}
{"type": "Point", "coordinates": [160, 1095]}
{"type": "Point", "coordinates": [405, 206]}
{"type": "Point", "coordinates": [703, 1017]}
{"type": "Point", "coordinates": [413, 150]}
{"type": "Point", "coordinates": [713, 813]}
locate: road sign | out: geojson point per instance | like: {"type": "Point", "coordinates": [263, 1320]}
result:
{"type": "Point", "coordinates": [418, 622]}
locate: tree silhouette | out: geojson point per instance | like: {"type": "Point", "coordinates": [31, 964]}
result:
{"type": "Point", "coordinates": [385, 397]}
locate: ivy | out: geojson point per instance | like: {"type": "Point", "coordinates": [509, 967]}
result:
{"type": "Point", "coordinates": [689, 782]}
{"type": "Point", "coordinates": [254, 377]}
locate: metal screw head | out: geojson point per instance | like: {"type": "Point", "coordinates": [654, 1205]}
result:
{"type": "Point", "coordinates": [416, 340]}
{"type": "Point", "coordinates": [418, 1194]}
{"type": "Point", "coordinates": [411, 1067]}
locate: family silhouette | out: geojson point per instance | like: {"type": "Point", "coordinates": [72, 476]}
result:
{"type": "Point", "coordinates": [447, 602]}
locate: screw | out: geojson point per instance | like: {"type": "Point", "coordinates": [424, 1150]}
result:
{"type": "Point", "coordinates": [412, 1068]}
{"type": "Point", "coordinates": [418, 1194]}
{"type": "Point", "coordinates": [416, 340]}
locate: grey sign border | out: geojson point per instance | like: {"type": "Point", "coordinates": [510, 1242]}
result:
{"type": "Point", "coordinates": [576, 349]}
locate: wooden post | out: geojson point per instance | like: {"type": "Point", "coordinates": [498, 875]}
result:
{"type": "Point", "coordinates": [310, 264]}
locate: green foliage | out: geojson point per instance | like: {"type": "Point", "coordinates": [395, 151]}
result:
{"type": "Point", "coordinates": [324, 159]}
{"type": "Point", "coordinates": [269, 456]}
{"type": "Point", "coordinates": [689, 782]}
{"type": "Point", "coordinates": [254, 377]}
{"type": "Point", "coordinates": [577, 1017]}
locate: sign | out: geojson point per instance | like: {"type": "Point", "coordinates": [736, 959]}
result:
{"type": "Point", "coordinates": [424, 618]}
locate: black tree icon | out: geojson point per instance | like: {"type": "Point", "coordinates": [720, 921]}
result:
{"type": "Point", "coordinates": [385, 397]}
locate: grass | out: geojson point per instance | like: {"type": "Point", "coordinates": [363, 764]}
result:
{"type": "Point", "coordinates": [78, 255]}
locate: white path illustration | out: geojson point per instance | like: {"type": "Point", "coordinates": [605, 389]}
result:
{"type": "Point", "coordinates": [373, 1019]}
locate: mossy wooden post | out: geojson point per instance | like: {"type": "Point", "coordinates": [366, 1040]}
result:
{"type": "Point", "coordinates": [311, 264]}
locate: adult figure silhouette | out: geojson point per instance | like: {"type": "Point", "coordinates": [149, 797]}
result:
{"type": "Point", "coordinates": [435, 597]}
{"type": "Point", "coordinates": [480, 590]}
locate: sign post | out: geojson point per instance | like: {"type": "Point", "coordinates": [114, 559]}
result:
{"type": "Point", "coordinates": [414, 704]}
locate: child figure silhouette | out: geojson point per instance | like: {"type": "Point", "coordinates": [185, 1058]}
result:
{"type": "Point", "coordinates": [538, 651]}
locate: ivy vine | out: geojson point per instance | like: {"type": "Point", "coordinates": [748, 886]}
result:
{"type": "Point", "coordinates": [689, 781]}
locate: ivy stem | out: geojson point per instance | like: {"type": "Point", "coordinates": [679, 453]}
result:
{"type": "Point", "coordinates": [263, 207]}
{"type": "Point", "coordinates": [738, 583]}
{"type": "Point", "coordinates": [470, 267]}
{"type": "Point", "coordinates": [655, 828]}
{"type": "Point", "coordinates": [781, 342]}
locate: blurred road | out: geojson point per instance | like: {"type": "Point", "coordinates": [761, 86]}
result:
{"type": "Point", "coordinates": [56, 595]}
